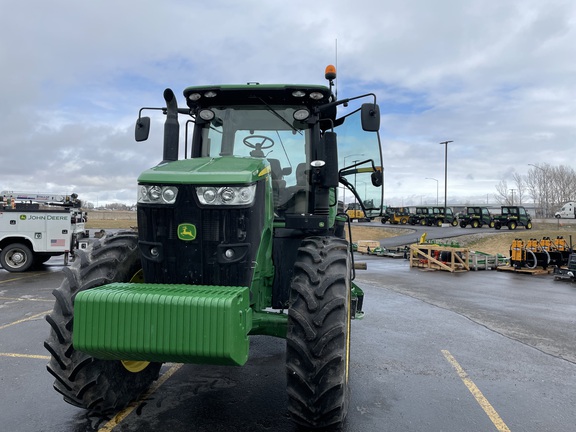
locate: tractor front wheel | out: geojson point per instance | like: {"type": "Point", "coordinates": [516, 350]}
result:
{"type": "Point", "coordinates": [100, 386]}
{"type": "Point", "coordinates": [318, 338]}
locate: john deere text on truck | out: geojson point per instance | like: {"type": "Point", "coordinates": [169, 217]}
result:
{"type": "Point", "coordinates": [36, 227]}
{"type": "Point", "coordinates": [239, 234]}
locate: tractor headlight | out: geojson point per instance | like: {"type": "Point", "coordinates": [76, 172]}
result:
{"type": "Point", "coordinates": [157, 194]}
{"type": "Point", "coordinates": [226, 195]}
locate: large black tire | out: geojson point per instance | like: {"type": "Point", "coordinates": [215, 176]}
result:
{"type": "Point", "coordinates": [101, 386]}
{"type": "Point", "coordinates": [318, 339]}
{"type": "Point", "coordinates": [16, 258]}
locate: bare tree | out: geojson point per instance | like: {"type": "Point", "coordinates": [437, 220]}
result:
{"type": "Point", "coordinates": [520, 187]}
{"type": "Point", "coordinates": [501, 194]}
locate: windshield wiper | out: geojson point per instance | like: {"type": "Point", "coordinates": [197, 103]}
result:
{"type": "Point", "coordinates": [280, 117]}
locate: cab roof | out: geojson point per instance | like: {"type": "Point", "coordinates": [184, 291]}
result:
{"type": "Point", "coordinates": [257, 94]}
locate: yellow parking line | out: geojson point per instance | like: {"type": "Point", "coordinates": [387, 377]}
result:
{"type": "Point", "coordinates": [126, 412]}
{"type": "Point", "coordinates": [482, 401]}
{"type": "Point", "coordinates": [30, 318]}
{"type": "Point", "coordinates": [28, 356]}
{"type": "Point", "coordinates": [26, 299]}
{"type": "Point", "coordinates": [18, 278]}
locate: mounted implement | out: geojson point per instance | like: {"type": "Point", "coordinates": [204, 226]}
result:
{"type": "Point", "coordinates": [234, 229]}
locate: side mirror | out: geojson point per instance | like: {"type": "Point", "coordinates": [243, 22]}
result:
{"type": "Point", "coordinates": [370, 117]}
{"type": "Point", "coordinates": [142, 129]}
{"type": "Point", "coordinates": [377, 178]}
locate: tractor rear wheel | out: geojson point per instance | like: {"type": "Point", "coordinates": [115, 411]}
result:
{"type": "Point", "coordinates": [84, 381]}
{"type": "Point", "coordinates": [318, 338]}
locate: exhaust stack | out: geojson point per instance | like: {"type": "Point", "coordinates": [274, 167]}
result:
{"type": "Point", "coordinates": [171, 127]}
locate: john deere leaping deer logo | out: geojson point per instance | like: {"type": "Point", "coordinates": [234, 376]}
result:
{"type": "Point", "coordinates": [186, 231]}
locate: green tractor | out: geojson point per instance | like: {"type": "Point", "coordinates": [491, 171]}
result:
{"type": "Point", "coordinates": [239, 234]}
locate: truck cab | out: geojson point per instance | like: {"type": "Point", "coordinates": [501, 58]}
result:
{"type": "Point", "coordinates": [568, 210]}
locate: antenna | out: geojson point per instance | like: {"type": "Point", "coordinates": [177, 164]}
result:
{"type": "Point", "coordinates": [336, 64]}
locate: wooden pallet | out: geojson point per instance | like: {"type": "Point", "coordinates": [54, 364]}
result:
{"type": "Point", "coordinates": [534, 271]}
{"type": "Point", "coordinates": [427, 256]}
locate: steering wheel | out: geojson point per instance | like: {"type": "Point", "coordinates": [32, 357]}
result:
{"type": "Point", "coordinates": [259, 146]}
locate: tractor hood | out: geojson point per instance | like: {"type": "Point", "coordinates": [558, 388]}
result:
{"type": "Point", "coordinates": [221, 170]}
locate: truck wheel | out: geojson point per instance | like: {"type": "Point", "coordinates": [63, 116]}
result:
{"type": "Point", "coordinates": [512, 225]}
{"type": "Point", "coordinates": [475, 224]}
{"type": "Point", "coordinates": [439, 222]}
{"type": "Point", "coordinates": [318, 337]}
{"type": "Point", "coordinates": [529, 225]}
{"type": "Point", "coordinates": [16, 258]}
{"type": "Point", "coordinates": [403, 221]}
{"type": "Point", "coordinates": [491, 224]}
{"type": "Point", "coordinates": [454, 222]}
{"type": "Point", "coordinates": [463, 224]}
{"type": "Point", "coordinates": [98, 385]}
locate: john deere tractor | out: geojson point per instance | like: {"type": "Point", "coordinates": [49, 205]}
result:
{"type": "Point", "coordinates": [239, 234]}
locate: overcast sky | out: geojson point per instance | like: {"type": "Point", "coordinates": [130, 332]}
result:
{"type": "Point", "coordinates": [496, 77]}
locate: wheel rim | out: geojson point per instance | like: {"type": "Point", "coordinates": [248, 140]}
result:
{"type": "Point", "coordinates": [134, 366]}
{"type": "Point", "coordinates": [16, 258]}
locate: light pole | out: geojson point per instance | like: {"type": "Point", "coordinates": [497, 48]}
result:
{"type": "Point", "coordinates": [436, 180]}
{"type": "Point", "coordinates": [512, 190]}
{"type": "Point", "coordinates": [545, 188]}
{"type": "Point", "coordinates": [445, 144]}
{"type": "Point", "coordinates": [344, 191]}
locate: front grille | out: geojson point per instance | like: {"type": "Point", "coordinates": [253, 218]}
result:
{"type": "Point", "coordinates": [201, 261]}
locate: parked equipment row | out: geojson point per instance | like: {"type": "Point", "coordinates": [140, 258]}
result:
{"type": "Point", "coordinates": [475, 217]}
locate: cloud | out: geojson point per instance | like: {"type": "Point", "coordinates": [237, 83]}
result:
{"type": "Point", "coordinates": [497, 79]}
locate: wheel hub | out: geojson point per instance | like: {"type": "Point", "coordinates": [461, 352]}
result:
{"type": "Point", "coordinates": [17, 258]}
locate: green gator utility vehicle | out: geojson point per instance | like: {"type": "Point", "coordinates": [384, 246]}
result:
{"type": "Point", "coordinates": [512, 217]}
{"type": "Point", "coordinates": [239, 234]}
{"type": "Point", "coordinates": [476, 217]}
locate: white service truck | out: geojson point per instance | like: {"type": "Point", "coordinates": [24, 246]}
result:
{"type": "Point", "coordinates": [35, 228]}
{"type": "Point", "coordinates": [568, 210]}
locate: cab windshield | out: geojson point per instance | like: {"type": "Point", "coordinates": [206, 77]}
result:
{"type": "Point", "coordinates": [272, 133]}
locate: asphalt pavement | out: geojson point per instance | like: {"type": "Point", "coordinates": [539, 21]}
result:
{"type": "Point", "coordinates": [436, 351]}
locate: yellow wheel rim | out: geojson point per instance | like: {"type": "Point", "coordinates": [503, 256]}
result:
{"type": "Point", "coordinates": [135, 366]}
{"type": "Point", "coordinates": [138, 277]}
